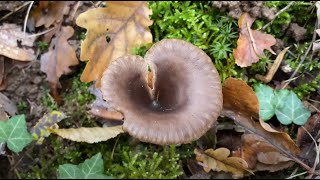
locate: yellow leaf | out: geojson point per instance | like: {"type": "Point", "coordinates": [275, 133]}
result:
{"type": "Point", "coordinates": [125, 23]}
{"type": "Point", "coordinates": [219, 160]}
{"type": "Point", "coordinates": [89, 135]}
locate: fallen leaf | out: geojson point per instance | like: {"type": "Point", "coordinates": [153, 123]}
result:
{"type": "Point", "coordinates": [50, 120]}
{"type": "Point", "coordinates": [219, 160]}
{"type": "Point", "coordinates": [15, 44]}
{"type": "Point", "coordinates": [273, 68]}
{"type": "Point", "coordinates": [49, 12]}
{"type": "Point", "coordinates": [59, 57]}
{"type": "Point", "coordinates": [261, 155]}
{"type": "Point", "coordinates": [101, 108]}
{"type": "Point", "coordinates": [89, 135]}
{"type": "Point", "coordinates": [251, 43]}
{"type": "Point", "coordinates": [125, 23]}
{"type": "Point", "coordinates": [236, 95]}
{"type": "Point", "coordinates": [304, 140]}
{"type": "Point", "coordinates": [7, 105]}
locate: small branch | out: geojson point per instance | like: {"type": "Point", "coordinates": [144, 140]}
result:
{"type": "Point", "coordinates": [252, 39]}
{"type": "Point", "coordinates": [41, 33]}
{"type": "Point", "coordinates": [278, 13]}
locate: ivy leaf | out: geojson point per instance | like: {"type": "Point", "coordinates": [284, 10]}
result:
{"type": "Point", "coordinates": [90, 169]}
{"type": "Point", "coordinates": [267, 101]}
{"type": "Point", "coordinates": [292, 111]}
{"type": "Point", "coordinates": [14, 132]}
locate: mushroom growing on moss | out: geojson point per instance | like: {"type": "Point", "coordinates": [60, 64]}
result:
{"type": "Point", "coordinates": [179, 104]}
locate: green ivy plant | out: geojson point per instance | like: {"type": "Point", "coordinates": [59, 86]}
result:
{"type": "Point", "coordinates": [284, 103]}
{"type": "Point", "coordinates": [90, 169]}
{"type": "Point", "coordinates": [14, 132]}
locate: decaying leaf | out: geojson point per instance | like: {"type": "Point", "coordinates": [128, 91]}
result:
{"type": "Point", "coordinates": [7, 105]}
{"type": "Point", "coordinates": [251, 43]}
{"type": "Point", "coordinates": [50, 120]}
{"type": "Point", "coordinates": [219, 160]}
{"type": "Point", "coordinates": [89, 135]}
{"type": "Point", "coordinates": [304, 140]}
{"type": "Point", "coordinates": [15, 44]}
{"type": "Point", "coordinates": [49, 12]}
{"type": "Point", "coordinates": [261, 155]}
{"type": "Point", "coordinates": [112, 32]}
{"type": "Point", "coordinates": [235, 97]}
{"type": "Point", "coordinates": [60, 56]}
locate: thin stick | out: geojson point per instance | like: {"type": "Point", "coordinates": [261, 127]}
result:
{"type": "Point", "coordinates": [75, 9]}
{"type": "Point", "coordinates": [316, 161]}
{"type": "Point", "coordinates": [17, 9]}
{"type": "Point", "coordinates": [26, 19]}
{"type": "Point", "coordinates": [41, 33]}
{"type": "Point", "coordinates": [277, 14]}
{"type": "Point", "coordinates": [297, 175]}
{"type": "Point", "coordinates": [302, 59]}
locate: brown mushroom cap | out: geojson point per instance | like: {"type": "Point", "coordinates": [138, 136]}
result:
{"type": "Point", "coordinates": [186, 98]}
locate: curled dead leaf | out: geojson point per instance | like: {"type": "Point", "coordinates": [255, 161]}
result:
{"type": "Point", "coordinates": [112, 32]}
{"type": "Point", "coordinates": [251, 43]}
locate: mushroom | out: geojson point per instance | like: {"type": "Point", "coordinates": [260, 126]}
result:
{"type": "Point", "coordinates": [182, 101]}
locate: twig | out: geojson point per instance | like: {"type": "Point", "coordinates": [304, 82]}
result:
{"type": "Point", "coordinates": [297, 175]}
{"type": "Point", "coordinates": [26, 19]}
{"type": "Point", "coordinates": [41, 33]}
{"type": "Point", "coordinates": [277, 14]}
{"type": "Point", "coordinates": [313, 100]}
{"type": "Point", "coordinates": [17, 9]}
{"type": "Point", "coordinates": [252, 39]}
{"type": "Point", "coordinates": [302, 59]}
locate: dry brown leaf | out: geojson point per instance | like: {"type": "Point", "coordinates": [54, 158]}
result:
{"type": "Point", "coordinates": [251, 43]}
{"type": "Point", "coordinates": [305, 142]}
{"type": "Point", "coordinates": [89, 135]}
{"type": "Point", "coordinates": [59, 57]}
{"type": "Point", "coordinates": [236, 96]}
{"type": "Point", "coordinates": [49, 12]}
{"type": "Point", "coordinates": [15, 44]}
{"type": "Point", "coordinates": [219, 160]}
{"type": "Point", "coordinates": [126, 23]}
{"type": "Point", "coordinates": [267, 78]}
{"type": "Point", "coordinates": [261, 155]}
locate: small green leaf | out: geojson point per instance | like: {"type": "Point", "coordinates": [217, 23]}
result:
{"type": "Point", "coordinates": [90, 169]}
{"type": "Point", "coordinates": [14, 132]}
{"type": "Point", "coordinates": [293, 110]}
{"type": "Point", "coordinates": [266, 101]}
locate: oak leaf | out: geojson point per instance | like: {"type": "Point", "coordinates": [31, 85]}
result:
{"type": "Point", "coordinates": [15, 44]}
{"type": "Point", "coordinates": [251, 43]}
{"type": "Point", "coordinates": [59, 57]}
{"type": "Point", "coordinates": [125, 23]}
{"type": "Point", "coordinates": [219, 160]}
{"type": "Point", "coordinates": [89, 135]}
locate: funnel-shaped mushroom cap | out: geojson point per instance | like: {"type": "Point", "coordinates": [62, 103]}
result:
{"type": "Point", "coordinates": [185, 98]}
